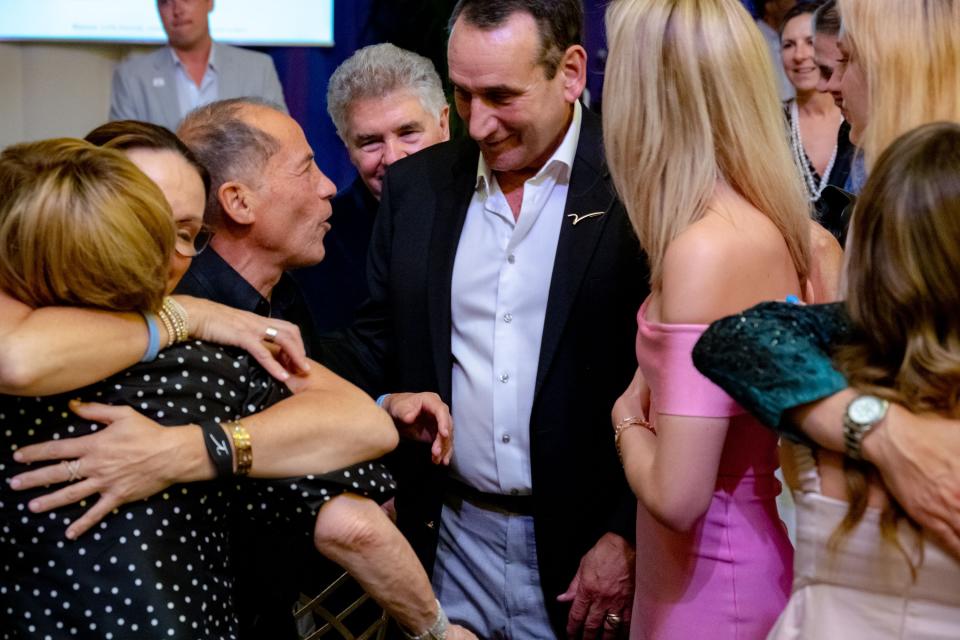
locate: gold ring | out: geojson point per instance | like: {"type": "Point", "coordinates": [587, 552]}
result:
{"type": "Point", "coordinates": [613, 619]}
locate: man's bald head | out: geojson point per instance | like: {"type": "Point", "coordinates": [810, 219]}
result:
{"type": "Point", "coordinates": [222, 135]}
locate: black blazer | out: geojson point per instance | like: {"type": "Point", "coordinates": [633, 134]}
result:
{"type": "Point", "coordinates": [401, 342]}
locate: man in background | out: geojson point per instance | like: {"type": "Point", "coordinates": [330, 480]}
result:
{"type": "Point", "coordinates": [386, 104]}
{"type": "Point", "coordinates": [191, 71]}
{"type": "Point", "coordinates": [837, 208]}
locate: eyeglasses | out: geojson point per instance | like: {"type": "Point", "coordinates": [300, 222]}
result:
{"type": "Point", "coordinates": [189, 249]}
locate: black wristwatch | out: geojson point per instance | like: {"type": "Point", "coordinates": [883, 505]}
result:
{"type": "Point", "coordinates": [863, 413]}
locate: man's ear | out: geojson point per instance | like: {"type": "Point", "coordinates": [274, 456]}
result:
{"type": "Point", "coordinates": [238, 202]}
{"type": "Point", "coordinates": [445, 123]}
{"type": "Point", "coordinates": [573, 72]}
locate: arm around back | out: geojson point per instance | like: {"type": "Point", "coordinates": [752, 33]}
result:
{"type": "Point", "coordinates": [327, 424]}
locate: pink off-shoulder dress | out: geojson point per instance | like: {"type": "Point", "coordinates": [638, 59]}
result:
{"type": "Point", "coordinates": [729, 577]}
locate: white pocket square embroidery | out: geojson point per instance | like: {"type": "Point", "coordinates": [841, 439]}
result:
{"type": "Point", "coordinates": [580, 217]}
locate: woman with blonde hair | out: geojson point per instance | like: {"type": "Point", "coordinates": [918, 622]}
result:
{"type": "Point", "coordinates": [861, 571]}
{"type": "Point", "coordinates": [901, 68]}
{"type": "Point", "coordinates": [707, 178]}
{"type": "Point", "coordinates": [864, 570]}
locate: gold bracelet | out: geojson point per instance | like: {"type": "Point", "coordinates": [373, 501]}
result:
{"type": "Point", "coordinates": [629, 423]}
{"type": "Point", "coordinates": [242, 447]}
{"type": "Point", "coordinates": [176, 315]}
{"type": "Point", "coordinates": [179, 316]}
{"type": "Point", "coordinates": [168, 327]}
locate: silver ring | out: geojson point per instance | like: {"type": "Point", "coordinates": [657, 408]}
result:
{"type": "Point", "coordinates": [73, 470]}
{"type": "Point", "coordinates": [270, 334]}
{"type": "Point", "coordinates": [613, 619]}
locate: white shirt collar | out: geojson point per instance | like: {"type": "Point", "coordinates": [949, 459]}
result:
{"type": "Point", "coordinates": [562, 158]}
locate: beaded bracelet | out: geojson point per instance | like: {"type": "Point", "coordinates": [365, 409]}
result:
{"type": "Point", "coordinates": [174, 318]}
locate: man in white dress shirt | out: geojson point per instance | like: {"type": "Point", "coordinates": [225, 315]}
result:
{"type": "Point", "coordinates": [504, 276]}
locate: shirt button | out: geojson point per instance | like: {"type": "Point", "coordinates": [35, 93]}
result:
{"type": "Point", "coordinates": [508, 317]}
{"type": "Point", "coordinates": [511, 258]}
{"type": "Point", "coordinates": [504, 377]}
{"type": "Point", "coordinates": [505, 438]}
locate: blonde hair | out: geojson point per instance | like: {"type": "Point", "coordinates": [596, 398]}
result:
{"type": "Point", "coordinates": [689, 99]}
{"type": "Point", "coordinates": [81, 226]}
{"type": "Point", "coordinates": [909, 51]}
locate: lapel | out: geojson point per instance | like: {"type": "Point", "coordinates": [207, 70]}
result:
{"type": "Point", "coordinates": [589, 192]}
{"type": "Point", "coordinates": [230, 73]}
{"type": "Point", "coordinates": [166, 94]}
{"type": "Point", "coordinates": [452, 202]}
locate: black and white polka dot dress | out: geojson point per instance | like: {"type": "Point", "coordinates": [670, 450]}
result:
{"type": "Point", "coordinates": [158, 568]}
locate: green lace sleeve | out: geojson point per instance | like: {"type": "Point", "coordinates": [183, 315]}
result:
{"type": "Point", "coordinates": [774, 357]}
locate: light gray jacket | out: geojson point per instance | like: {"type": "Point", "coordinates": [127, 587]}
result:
{"type": "Point", "coordinates": [145, 88]}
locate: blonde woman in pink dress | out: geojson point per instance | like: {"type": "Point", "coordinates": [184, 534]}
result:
{"type": "Point", "coordinates": [694, 138]}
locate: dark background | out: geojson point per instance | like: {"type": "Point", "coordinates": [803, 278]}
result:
{"type": "Point", "coordinates": [417, 25]}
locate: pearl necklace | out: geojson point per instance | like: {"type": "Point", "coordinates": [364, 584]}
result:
{"type": "Point", "coordinates": [796, 142]}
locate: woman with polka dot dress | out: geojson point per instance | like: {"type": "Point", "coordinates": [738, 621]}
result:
{"type": "Point", "coordinates": [158, 567]}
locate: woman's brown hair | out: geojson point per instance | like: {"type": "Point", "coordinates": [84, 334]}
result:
{"type": "Point", "coordinates": [903, 292]}
{"type": "Point", "coordinates": [81, 226]}
{"type": "Point", "coordinates": [126, 135]}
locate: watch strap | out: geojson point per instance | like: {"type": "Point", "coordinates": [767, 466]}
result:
{"type": "Point", "coordinates": [437, 631]}
{"type": "Point", "coordinates": [854, 432]}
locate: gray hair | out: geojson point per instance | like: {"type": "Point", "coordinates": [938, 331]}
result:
{"type": "Point", "coordinates": [229, 147]}
{"type": "Point", "coordinates": [374, 72]}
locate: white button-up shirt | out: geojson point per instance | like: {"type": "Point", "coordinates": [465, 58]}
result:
{"type": "Point", "coordinates": [499, 292]}
{"type": "Point", "coordinates": [189, 95]}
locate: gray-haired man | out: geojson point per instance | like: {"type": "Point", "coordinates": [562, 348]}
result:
{"type": "Point", "coordinates": [386, 104]}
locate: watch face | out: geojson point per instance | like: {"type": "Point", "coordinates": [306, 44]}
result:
{"type": "Point", "coordinates": [867, 409]}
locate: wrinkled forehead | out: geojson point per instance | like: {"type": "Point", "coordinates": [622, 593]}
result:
{"type": "Point", "coordinates": [286, 133]}
{"type": "Point", "coordinates": [376, 111]}
{"type": "Point", "coordinates": [510, 48]}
